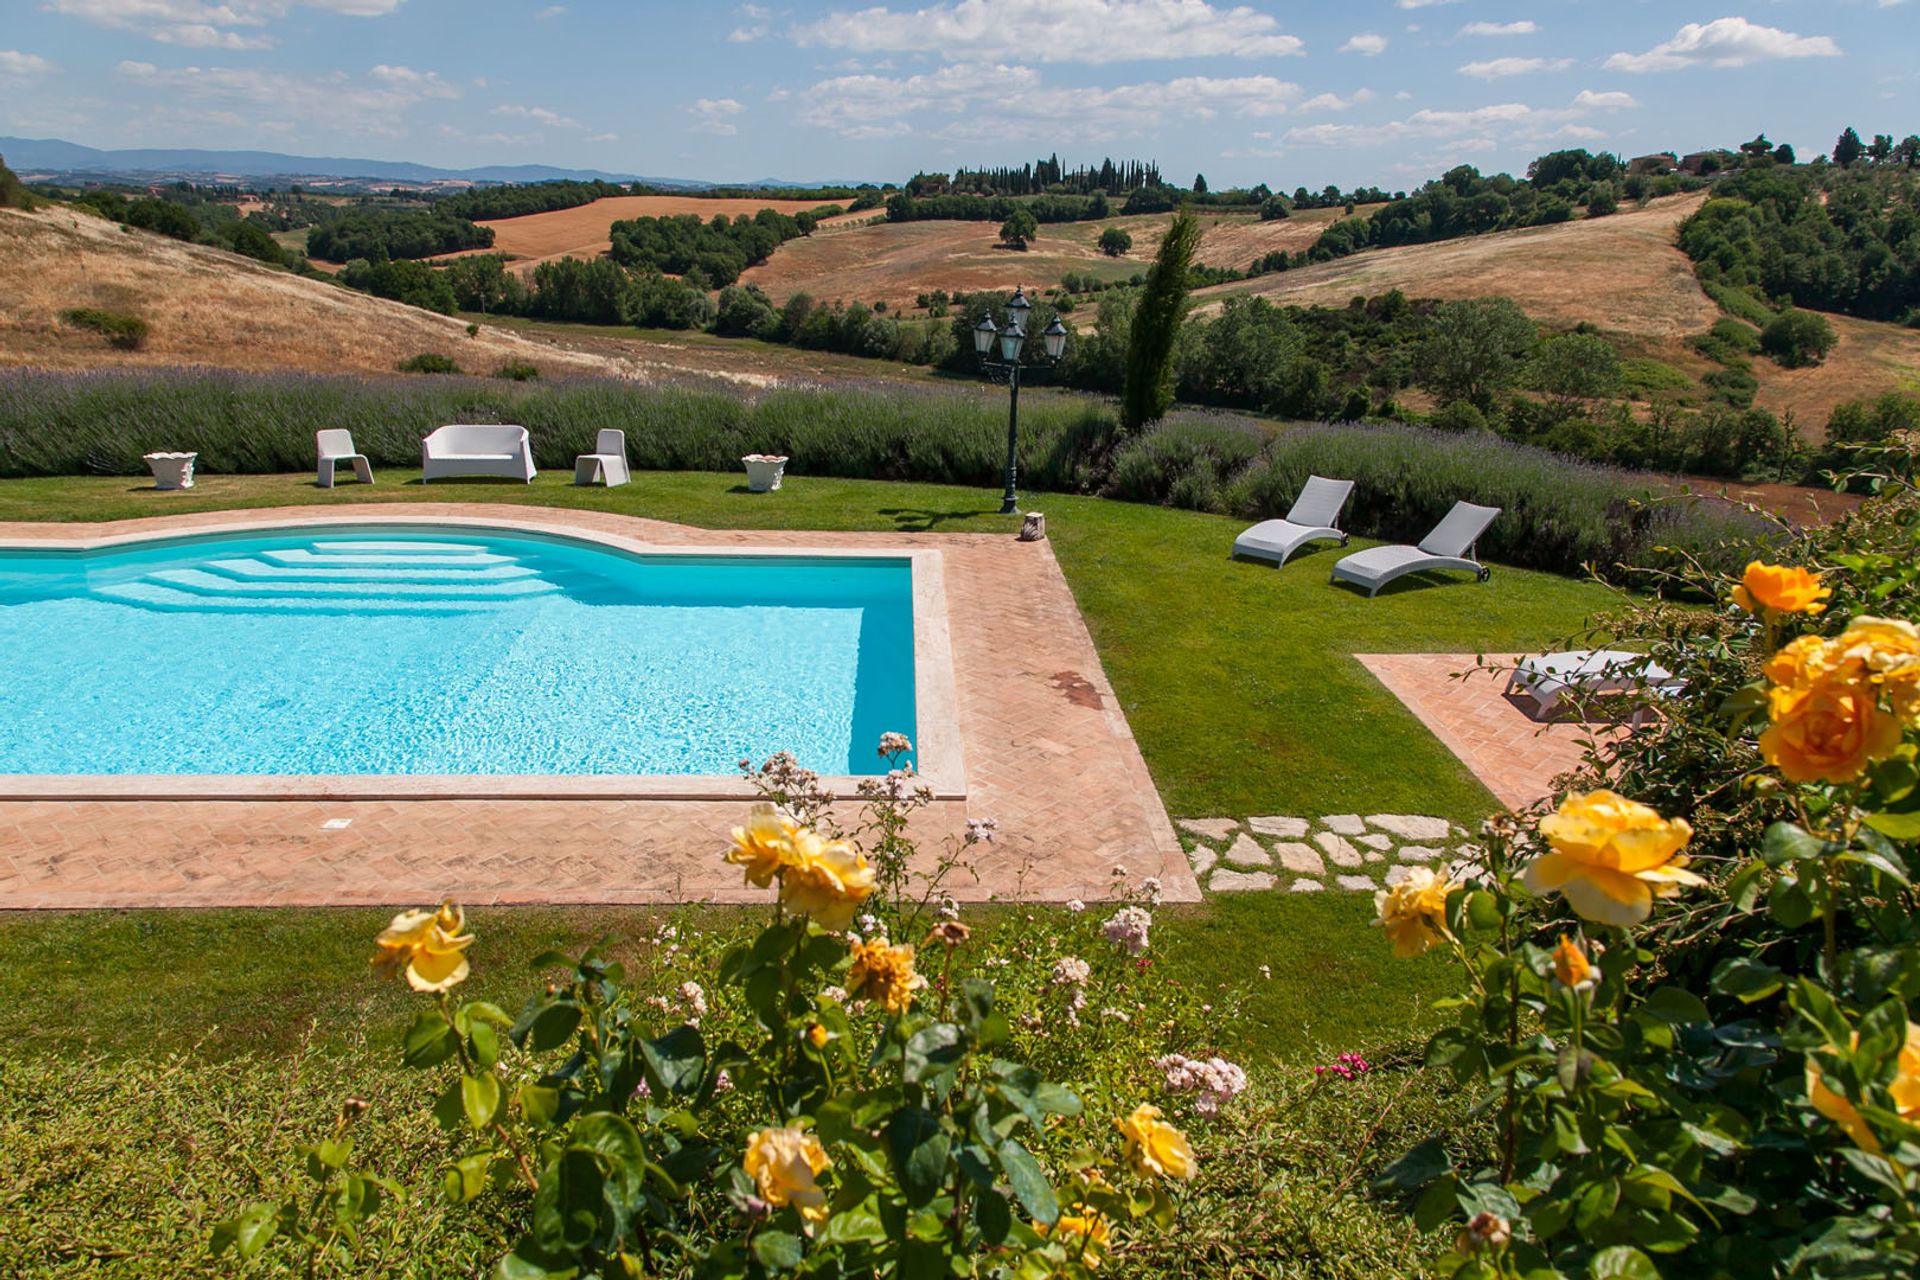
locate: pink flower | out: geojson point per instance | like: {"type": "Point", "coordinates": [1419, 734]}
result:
{"type": "Point", "coordinates": [1127, 929]}
{"type": "Point", "coordinates": [1215, 1080]}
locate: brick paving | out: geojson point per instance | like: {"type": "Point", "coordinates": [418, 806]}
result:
{"type": "Point", "coordinates": [1047, 753]}
{"type": "Point", "coordinates": [1513, 755]}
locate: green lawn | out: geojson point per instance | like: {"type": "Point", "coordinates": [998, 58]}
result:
{"type": "Point", "coordinates": [1237, 680]}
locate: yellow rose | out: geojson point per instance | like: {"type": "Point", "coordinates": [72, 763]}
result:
{"type": "Point", "coordinates": [1808, 661]}
{"type": "Point", "coordinates": [827, 879]}
{"type": "Point", "coordinates": [428, 946]}
{"type": "Point", "coordinates": [764, 845]}
{"type": "Point", "coordinates": [1081, 1228]}
{"type": "Point", "coordinates": [1414, 911]}
{"type": "Point", "coordinates": [1781, 588]}
{"type": "Point", "coordinates": [884, 974]}
{"type": "Point", "coordinates": [1888, 650]}
{"type": "Point", "coordinates": [1611, 857]}
{"type": "Point", "coordinates": [1571, 968]}
{"type": "Point", "coordinates": [1827, 732]}
{"type": "Point", "coordinates": [817, 1036]}
{"type": "Point", "coordinates": [784, 1164]}
{"type": "Point", "coordinates": [1905, 1089]}
{"type": "Point", "coordinates": [1155, 1148]}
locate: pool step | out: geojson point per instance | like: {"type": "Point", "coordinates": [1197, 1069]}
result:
{"type": "Point", "coordinates": [400, 547]}
{"type": "Point", "coordinates": [258, 571]}
{"type": "Point", "coordinates": [203, 582]}
{"type": "Point", "coordinates": [323, 556]}
{"type": "Point", "coordinates": [156, 595]}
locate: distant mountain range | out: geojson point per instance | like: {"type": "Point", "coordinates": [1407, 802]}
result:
{"type": "Point", "coordinates": [54, 156]}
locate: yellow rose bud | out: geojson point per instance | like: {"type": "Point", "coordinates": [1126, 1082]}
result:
{"type": "Point", "coordinates": [1571, 968]}
{"type": "Point", "coordinates": [1413, 912]}
{"type": "Point", "coordinates": [784, 1164]}
{"type": "Point", "coordinates": [1155, 1148]}
{"type": "Point", "coordinates": [427, 946]}
{"type": "Point", "coordinates": [1905, 1089]}
{"type": "Point", "coordinates": [1081, 1228]}
{"type": "Point", "coordinates": [817, 1036]}
{"type": "Point", "coordinates": [1781, 588]}
{"type": "Point", "coordinates": [1611, 857]}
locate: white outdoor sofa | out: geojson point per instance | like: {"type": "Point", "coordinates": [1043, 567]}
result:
{"type": "Point", "coordinates": [466, 449]}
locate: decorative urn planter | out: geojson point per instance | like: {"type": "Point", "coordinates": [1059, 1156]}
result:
{"type": "Point", "coordinates": [764, 471]}
{"type": "Point", "coordinates": [171, 470]}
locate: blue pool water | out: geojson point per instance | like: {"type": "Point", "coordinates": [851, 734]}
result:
{"type": "Point", "coordinates": [445, 651]}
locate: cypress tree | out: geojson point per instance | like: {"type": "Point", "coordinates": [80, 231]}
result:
{"type": "Point", "coordinates": [1148, 391]}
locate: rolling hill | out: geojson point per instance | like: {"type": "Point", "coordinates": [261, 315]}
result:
{"type": "Point", "coordinates": [209, 307]}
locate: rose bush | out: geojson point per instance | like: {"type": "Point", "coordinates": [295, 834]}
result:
{"type": "Point", "coordinates": [868, 1117]}
{"type": "Point", "coordinates": [1698, 1055]}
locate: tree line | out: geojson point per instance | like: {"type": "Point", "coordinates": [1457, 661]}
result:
{"type": "Point", "coordinates": [388, 233]}
{"type": "Point", "coordinates": [710, 252]}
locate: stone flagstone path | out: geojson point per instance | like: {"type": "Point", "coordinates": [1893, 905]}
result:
{"type": "Point", "coordinates": [1341, 852]}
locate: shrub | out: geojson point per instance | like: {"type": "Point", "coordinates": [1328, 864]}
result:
{"type": "Point", "coordinates": [518, 371]}
{"type": "Point", "coordinates": [1458, 417]}
{"type": "Point", "coordinates": [1797, 339]}
{"type": "Point", "coordinates": [1115, 241]}
{"type": "Point", "coordinates": [123, 332]}
{"type": "Point", "coordinates": [1643, 375]}
{"type": "Point", "coordinates": [13, 192]}
{"type": "Point", "coordinates": [1873, 421]}
{"type": "Point", "coordinates": [1019, 228]}
{"type": "Point", "coordinates": [1737, 1031]}
{"type": "Point", "coordinates": [428, 362]}
{"type": "Point", "coordinates": [163, 217]}
{"type": "Point", "coordinates": [1741, 302]}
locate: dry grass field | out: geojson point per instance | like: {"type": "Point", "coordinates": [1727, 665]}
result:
{"type": "Point", "coordinates": [210, 307]}
{"type": "Point", "coordinates": [582, 232]}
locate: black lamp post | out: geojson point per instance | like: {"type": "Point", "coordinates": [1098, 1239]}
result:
{"type": "Point", "coordinates": [1006, 367]}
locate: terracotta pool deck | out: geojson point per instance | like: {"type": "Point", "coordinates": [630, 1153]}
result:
{"type": "Point", "coordinates": [1046, 752]}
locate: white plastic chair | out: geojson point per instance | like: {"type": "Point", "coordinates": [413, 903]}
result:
{"type": "Point", "coordinates": [334, 447]}
{"type": "Point", "coordinates": [607, 464]}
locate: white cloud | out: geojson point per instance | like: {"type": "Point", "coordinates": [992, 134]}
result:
{"type": "Point", "coordinates": [1724, 42]}
{"type": "Point", "coordinates": [1477, 129]}
{"type": "Point", "coordinates": [1334, 102]}
{"type": "Point", "coordinates": [1495, 68]}
{"type": "Point", "coordinates": [1367, 43]}
{"type": "Point", "coordinates": [1420, 4]}
{"type": "Point", "coordinates": [538, 115]}
{"type": "Point", "coordinates": [551, 11]}
{"type": "Point", "coordinates": [1520, 28]}
{"type": "Point", "coordinates": [23, 66]}
{"type": "Point", "coordinates": [759, 21]}
{"type": "Point", "coordinates": [1090, 31]}
{"type": "Point", "coordinates": [269, 100]}
{"type": "Point", "coordinates": [603, 137]}
{"type": "Point", "coordinates": [207, 24]}
{"type": "Point", "coordinates": [712, 116]}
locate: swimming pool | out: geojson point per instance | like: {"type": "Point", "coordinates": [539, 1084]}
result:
{"type": "Point", "coordinates": [431, 651]}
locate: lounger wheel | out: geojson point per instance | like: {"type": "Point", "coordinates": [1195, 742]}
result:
{"type": "Point", "coordinates": [1345, 538]}
{"type": "Point", "coordinates": [1484, 574]}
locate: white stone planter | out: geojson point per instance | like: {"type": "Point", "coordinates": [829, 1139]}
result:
{"type": "Point", "coordinates": [171, 470]}
{"type": "Point", "coordinates": [764, 471]}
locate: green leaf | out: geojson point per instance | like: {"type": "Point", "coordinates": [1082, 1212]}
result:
{"type": "Point", "coordinates": [1436, 1204]}
{"type": "Point", "coordinates": [1596, 1205]}
{"type": "Point", "coordinates": [856, 1225]}
{"type": "Point", "coordinates": [1745, 979]}
{"type": "Point", "coordinates": [992, 1216]}
{"type": "Point", "coordinates": [1674, 1005]}
{"type": "Point", "coordinates": [1483, 911]}
{"type": "Point", "coordinates": [777, 1250]}
{"type": "Point", "coordinates": [429, 1041]}
{"type": "Point", "coordinates": [1896, 826]}
{"type": "Point", "coordinates": [1416, 1168]}
{"type": "Point", "coordinates": [480, 1098]}
{"type": "Point", "coordinates": [529, 1261]}
{"type": "Point", "coordinates": [932, 1050]}
{"type": "Point", "coordinates": [1789, 903]}
{"type": "Point", "coordinates": [1029, 1182]}
{"type": "Point", "coordinates": [677, 1059]}
{"type": "Point", "coordinates": [247, 1233]}
{"type": "Point", "coordinates": [539, 1104]}
{"type": "Point", "coordinates": [1785, 842]}
{"type": "Point", "coordinates": [466, 1178]}
{"type": "Point", "coordinates": [1622, 1262]}
{"type": "Point", "coordinates": [551, 1027]}
{"type": "Point", "coordinates": [1879, 862]}
{"type": "Point", "coordinates": [919, 1149]}
{"type": "Point", "coordinates": [485, 1043]}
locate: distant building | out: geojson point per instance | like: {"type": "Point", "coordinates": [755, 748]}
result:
{"type": "Point", "coordinates": [1703, 162]}
{"type": "Point", "coordinates": [1657, 163]}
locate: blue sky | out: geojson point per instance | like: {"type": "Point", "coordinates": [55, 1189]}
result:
{"type": "Point", "coordinates": [1370, 91]}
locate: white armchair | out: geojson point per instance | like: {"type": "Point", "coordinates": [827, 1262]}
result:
{"type": "Point", "coordinates": [607, 464]}
{"type": "Point", "coordinates": [477, 450]}
{"type": "Point", "coordinates": [334, 447]}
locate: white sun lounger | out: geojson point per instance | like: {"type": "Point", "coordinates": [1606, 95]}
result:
{"type": "Point", "coordinates": [477, 450]}
{"type": "Point", "coordinates": [1314, 517]}
{"type": "Point", "coordinates": [1548, 677]}
{"type": "Point", "coordinates": [335, 446]}
{"type": "Point", "coordinates": [1449, 546]}
{"type": "Point", "coordinates": [607, 464]}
